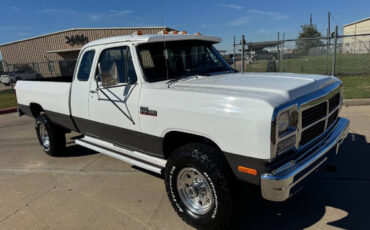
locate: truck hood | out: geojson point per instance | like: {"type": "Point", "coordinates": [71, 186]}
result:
{"type": "Point", "coordinates": [274, 88]}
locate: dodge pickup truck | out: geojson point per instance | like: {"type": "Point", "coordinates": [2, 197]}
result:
{"type": "Point", "coordinates": [170, 104]}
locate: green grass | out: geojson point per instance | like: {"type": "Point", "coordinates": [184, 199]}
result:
{"type": "Point", "coordinates": [7, 99]}
{"type": "Point", "coordinates": [356, 86]}
{"type": "Point", "coordinates": [347, 64]}
{"type": "Point", "coordinates": [348, 69]}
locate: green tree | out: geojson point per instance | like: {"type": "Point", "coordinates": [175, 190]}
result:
{"type": "Point", "coordinates": [308, 31]}
{"type": "Point", "coordinates": [1, 66]}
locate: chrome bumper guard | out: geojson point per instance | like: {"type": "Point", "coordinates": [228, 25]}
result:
{"type": "Point", "coordinates": [278, 184]}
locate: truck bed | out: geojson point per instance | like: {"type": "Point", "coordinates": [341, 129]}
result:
{"type": "Point", "coordinates": [51, 94]}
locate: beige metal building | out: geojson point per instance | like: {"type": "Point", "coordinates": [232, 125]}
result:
{"type": "Point", "coordinates": [357, 44]}
{"type": "Point", "coordinates": [55, 54]}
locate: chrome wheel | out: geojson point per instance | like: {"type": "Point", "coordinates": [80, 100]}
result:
{"type": "Point", "coordinates": [44, 136]}
{"type": "Point", "coordinates": [194, 191]}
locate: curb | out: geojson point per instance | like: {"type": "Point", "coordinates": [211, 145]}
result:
{"type": "Point", "coordinates": [356, 102]}
{"type": "Point", "coordinates": [8, 110]}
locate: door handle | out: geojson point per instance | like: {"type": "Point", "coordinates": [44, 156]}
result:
{"type": "Point", "coordinates": [93, 91]}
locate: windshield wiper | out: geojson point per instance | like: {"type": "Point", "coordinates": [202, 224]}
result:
{"type": "Point", "coordinates": [174, 80]}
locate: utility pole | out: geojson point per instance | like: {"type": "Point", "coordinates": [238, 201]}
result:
{"type": "Point", "coordinates": [310, 20]}
{"type": "Point", "coordinates": [328, 45]}
{"type": "Point", "coordinates": [234, 57]}
{"type": "Point", "coordinates": [282, 54]}
{"type": "Point", "coordinates": [243, 43]}
{"type": "Point", "coordinates": [335, 50]}
{"type": "Point", "coordinates": [278, 51]}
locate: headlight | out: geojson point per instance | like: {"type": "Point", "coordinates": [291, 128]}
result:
{"type": "Point", "coordinates": [287, 122]}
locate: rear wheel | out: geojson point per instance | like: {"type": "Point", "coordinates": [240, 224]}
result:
{"type": "Point", "coordinates": [51, 138]}
{"type": "Point", "coordinates": [199, 186]}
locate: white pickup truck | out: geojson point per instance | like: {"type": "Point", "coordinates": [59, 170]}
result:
{"type": "Point", "coordinates": [170, 104]}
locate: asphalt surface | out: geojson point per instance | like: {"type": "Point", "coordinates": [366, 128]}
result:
{"type": "Point", "coordinates": [88, 190]}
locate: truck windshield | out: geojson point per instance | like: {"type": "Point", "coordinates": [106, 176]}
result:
{"type": "Point", "coordinates": [163, 61]}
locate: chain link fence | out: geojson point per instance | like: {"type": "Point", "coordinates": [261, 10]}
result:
{"type": "Point", "coordinates": [341, 56]}
{"type": "Point", "coordinates": [40, 69]}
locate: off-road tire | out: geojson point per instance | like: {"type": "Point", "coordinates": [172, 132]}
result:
{"type": "Point", "coordinates": [57, 140]}
{"type": "Point", "coordinates": [209, 161]}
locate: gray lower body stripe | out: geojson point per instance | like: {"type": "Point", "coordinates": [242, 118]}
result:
{"type": "Point", "coordinates": [125, 155]}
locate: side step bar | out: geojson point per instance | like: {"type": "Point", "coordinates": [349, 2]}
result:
{"type": "Point", "coordinates": [138, 159]}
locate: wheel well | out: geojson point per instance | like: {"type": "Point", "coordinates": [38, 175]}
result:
{"type": "Point", "coordinates": [36, 109]}
{"type": "Point", "coordinates": [175, 139]}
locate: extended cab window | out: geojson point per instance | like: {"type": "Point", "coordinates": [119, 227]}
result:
{"type": "Point", "coordinates": [118, 58]}
{"type": "Point", "coordinates": [85, 65]}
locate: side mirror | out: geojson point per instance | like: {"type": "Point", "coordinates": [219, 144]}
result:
{"type": "Point", "coordinates": [108, 73]}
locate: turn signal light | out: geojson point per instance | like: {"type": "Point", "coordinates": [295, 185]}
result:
{"type": "Point", "coordinates": [163, 32]}
{"type": "Point", "coordinates": [247, 170]}
{"type": "Point", "coordinates": [138, 32]}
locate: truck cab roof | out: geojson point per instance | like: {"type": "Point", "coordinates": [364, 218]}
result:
{"type": "Point", "coordinates": [147, 38]}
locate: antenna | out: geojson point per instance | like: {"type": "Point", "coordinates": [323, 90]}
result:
{"type": "Point", "coordinates": [164, 40]}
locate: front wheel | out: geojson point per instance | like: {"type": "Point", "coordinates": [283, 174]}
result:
{"type": "Point", "coordinates": [199, 186]}
{"type": "Point", "coordinates": [52, 138]}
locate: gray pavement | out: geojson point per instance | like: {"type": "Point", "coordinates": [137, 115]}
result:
{"type": "Point", "coordinates": [87, 190]}
{"type": "Point", "coordinates": [3, 87]}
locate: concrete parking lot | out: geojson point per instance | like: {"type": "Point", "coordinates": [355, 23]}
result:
{"type": "Point", "coordinates": [87, 190]}
{"type": "Point", "coordinates": [3, 87]}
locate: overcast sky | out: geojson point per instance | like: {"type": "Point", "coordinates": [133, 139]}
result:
{"type": "Point", "coordinates": [259, 20]}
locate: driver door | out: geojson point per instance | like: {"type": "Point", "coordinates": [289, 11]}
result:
{"type": "Point", "coordinates": [113, 109]}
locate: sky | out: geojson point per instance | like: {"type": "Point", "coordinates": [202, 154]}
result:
{"type": "Point", "coordinates": [259, 20]}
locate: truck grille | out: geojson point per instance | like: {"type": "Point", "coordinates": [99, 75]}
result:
{"type": "Point", "coordinates": [334, 102]}
{"type": "Point", "coordinates": [316, 119]}
{"type": "Point", "coordinates": [313, 114]}
{"type": "Point", "coordinates": [332, 118]}
{"type": "Point", "coordinates": [312, 132]}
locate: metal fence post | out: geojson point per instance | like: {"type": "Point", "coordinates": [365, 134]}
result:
{"type": "Point", "coordinates": [282, 54]}
{"type": "Point", "coordinates": [243, 43]}
{"type": "Point", "coordinates": [234, 57]}
{"type": "Point", "coordinates": [335, 50]}
{"type": "Point", "coordinates": [328, 45]}
{"type": "Point", "coordinates": [278, 53]}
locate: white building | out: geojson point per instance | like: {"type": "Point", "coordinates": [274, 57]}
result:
{"type": "Point", "coordinates": [357, 44]}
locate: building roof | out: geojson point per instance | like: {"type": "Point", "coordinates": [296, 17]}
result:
{"type": "Point", "coordinates": [362, 20]}
{"type": "Point", "coordinates": [75, 29]}
{"type": "Point", "coordinates": [152, 38]}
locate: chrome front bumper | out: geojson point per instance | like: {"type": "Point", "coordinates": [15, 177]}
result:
{"type": "Point", "coordinates": [279, 184]}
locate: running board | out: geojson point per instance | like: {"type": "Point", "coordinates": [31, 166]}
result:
{"type": "Point", "coordinates": [138, 159]}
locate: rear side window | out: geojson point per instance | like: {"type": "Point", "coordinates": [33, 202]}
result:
{"type": "Point", "coordinates": [85, 65]}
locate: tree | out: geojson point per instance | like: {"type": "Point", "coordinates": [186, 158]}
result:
{"type": "Point", "coordinates": [1, 66]}
{"type": "Point", "coordinates": [308, 31]}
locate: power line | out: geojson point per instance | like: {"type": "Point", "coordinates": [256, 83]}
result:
{"type": "Point", "coordinates": [331, 15]}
